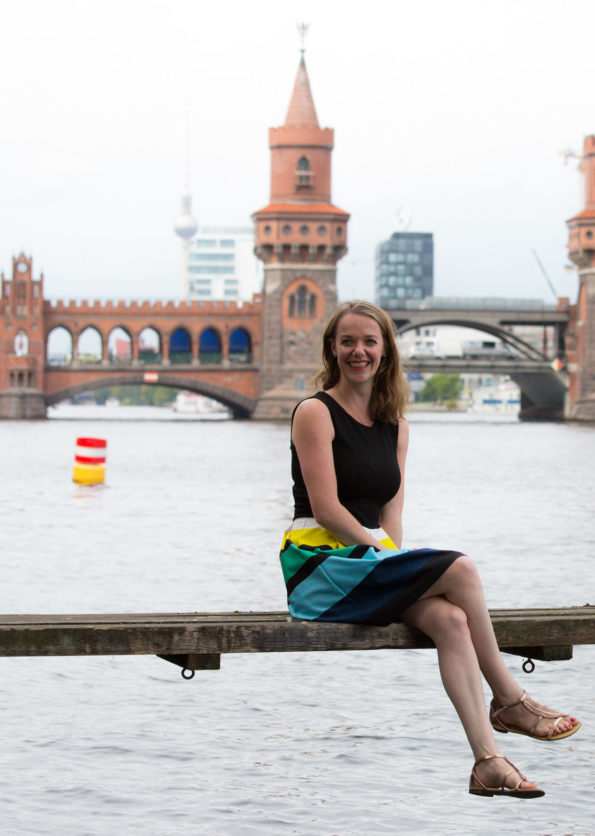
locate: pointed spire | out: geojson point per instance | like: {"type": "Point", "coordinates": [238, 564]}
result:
{"type": "Point", "coordinates": [301, 109]}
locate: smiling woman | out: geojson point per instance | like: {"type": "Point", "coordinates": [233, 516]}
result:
{"type": "Point", "coordinates": [342, 556]}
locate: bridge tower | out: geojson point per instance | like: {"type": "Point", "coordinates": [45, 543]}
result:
{"type": "Point", "coordinates": [22, 349]}
{"type": "Point", "coordinates": [299, 236]}
{"type": "Point", "coordinates": [581, 339]}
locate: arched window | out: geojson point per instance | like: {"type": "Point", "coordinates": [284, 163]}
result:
{"type": "Point", "coordinates": [179, 347]}
{"type": "Point", "coordinates": [240, 349]}
{"type": "Point", "coordinates": [59, 347]}
{"type": "Point", "coordinates": [303, 175]}
{"type": "Point", "coordinates": [89, 346]}
{"type": "Point", "coordinates": [21, 344]}
{"type": "Point", "coordinates": [119, 347]}
{"type": "Point", "coordinates": [209, 348]}
{"type": "Point", "coordinates": [302, 303]}
{"type": "Point", "coordinates": [149, 346]}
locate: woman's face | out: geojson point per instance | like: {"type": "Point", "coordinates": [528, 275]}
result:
{"type": "Point", "coordinates": [358, 347]}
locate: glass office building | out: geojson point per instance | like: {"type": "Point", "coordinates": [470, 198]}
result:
{"type": "Point", "coordinates": [404, 268]}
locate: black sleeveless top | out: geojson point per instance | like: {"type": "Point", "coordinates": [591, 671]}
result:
{"type": "Point", "coordinates": [368, 474]}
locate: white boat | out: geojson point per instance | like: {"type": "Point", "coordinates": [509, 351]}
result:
{"type": "Point", "coordinates": [191, 403]}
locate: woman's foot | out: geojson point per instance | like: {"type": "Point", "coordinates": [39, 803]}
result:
{"type": "Point", "coordinates": [496, 775]}
{"type": "Point", "coordinates": [525, 716]}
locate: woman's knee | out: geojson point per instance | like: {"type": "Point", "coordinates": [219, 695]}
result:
{"type": "Point", "coordinates": [439, 619]}
{"type": "Point", "coordinates": [453, 621]}
{"type": "Point", "coordinates": [465, 570]}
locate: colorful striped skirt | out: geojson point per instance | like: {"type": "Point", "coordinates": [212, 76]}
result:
{"type": "Point", "coordinates": [327, 581]}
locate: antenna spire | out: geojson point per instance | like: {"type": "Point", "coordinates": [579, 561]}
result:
{"type": "Point", "coordinates": [303, 33]}
{"type": "Point", "coordinates": [186, 146]}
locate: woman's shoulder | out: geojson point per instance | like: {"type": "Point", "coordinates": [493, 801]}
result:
{"type": "Point", "coordinates": [312, 419]}
{"type": "Point", "coordinates": [312, 406]}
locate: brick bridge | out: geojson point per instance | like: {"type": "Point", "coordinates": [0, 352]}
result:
{"type": "Point", "coordinates": [212, 348]}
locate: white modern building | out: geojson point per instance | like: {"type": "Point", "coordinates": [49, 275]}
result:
{"type": "Point", "coordinates": [222, 264]}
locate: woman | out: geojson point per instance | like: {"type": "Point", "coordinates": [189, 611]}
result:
{"type": "Point", "coordinates": [342, 558]}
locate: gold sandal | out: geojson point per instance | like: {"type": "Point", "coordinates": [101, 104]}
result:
{"type": "Point", "coordinates": [477, 787]}
{"type": "Point", "coordinates": [524, 700]}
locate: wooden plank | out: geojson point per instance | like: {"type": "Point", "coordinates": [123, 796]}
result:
{"type": "Point", "coordinates": [543, 654]}
{"type": "Point", "coordinates": [241, 632]}
{"type": "Point", "coordinates": [585, 613]}
{"type": "Point", "coordinates": [144, 618]}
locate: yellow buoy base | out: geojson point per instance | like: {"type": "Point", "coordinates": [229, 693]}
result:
{"type": "Point", "coordinates": [88, 474]}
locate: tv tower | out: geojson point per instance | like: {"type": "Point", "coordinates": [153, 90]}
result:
{"type": "Point", "coordinates": [186, 224]}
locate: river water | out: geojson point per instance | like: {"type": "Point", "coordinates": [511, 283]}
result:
{"type": "Point", "coordinates": [329, 744]}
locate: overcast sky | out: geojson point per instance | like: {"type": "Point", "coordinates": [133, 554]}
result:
{"type": "Point", "coordinates": [456, 111]}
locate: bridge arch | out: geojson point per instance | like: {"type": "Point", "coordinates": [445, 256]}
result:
{"type": "Point", "coordinates": [150, 345]}
{"type": "Point", "coordinates": [240, 346]}
{"type": "Point", "coordinates": [210, 345]}
{"type": "Point", "coordinates": [59, 345]}
{"type": "Point", "coordinates": [180, 346]}
{"type": "Point", "coordinates": [500, 332]}
{"type": "Point", "coordinates": [241, 406]}
{"type": "Point", "coordinates": [119, 346]}
{"type": "Point", "coordinates": [90, 345]}
{"type": "Point", "coordinates": [542, 389]}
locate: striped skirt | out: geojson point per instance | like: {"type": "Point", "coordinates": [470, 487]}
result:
{"type": "Point", "coordinates": [327, 581]}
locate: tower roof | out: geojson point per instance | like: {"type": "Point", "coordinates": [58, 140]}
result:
{"type": "Point", "coordinates": [283, 208]}
{"type": "Point", "coordinates": [301, 109]}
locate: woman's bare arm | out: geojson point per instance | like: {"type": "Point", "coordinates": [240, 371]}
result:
{"type": "Point", "coordinates": [391, 515]}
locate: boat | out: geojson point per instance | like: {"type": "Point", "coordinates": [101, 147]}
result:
{"type": "Point", "coordinates": [191, 403]}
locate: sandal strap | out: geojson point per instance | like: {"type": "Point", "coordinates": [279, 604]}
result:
{"type": "Point", "coordinates": [513, 771]}
{"type": "Point", "coordinates": [541, 714]}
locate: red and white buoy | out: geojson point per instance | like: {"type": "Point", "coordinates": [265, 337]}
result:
{"type": "Point", "coordinates": [89, 461]}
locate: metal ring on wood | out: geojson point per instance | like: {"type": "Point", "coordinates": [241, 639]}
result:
{"type": "Point", "coordinates": [187, 673]}
{"type": "Point", "coordinates": [528, 665]}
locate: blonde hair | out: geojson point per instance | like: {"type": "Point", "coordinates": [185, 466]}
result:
{"type": "Point", "coordinates": [390, 394]}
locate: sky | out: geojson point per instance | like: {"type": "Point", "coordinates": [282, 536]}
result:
{"type": "Point", "coordinates": [456, 113]}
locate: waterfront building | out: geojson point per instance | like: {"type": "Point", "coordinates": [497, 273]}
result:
{"type": "Point", "coordinates": [222, 265]}
{"type": "Point", "coordinates": [404, 268]}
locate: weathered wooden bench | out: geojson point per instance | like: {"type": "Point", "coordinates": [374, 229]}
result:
{"type": "Point", "coordinates": [195, 641]}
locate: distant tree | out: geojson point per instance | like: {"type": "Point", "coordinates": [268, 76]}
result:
{"type": "Point", "coordinates": [442, 387]}
{"type": "Point", "coordinates": [143, 395]}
